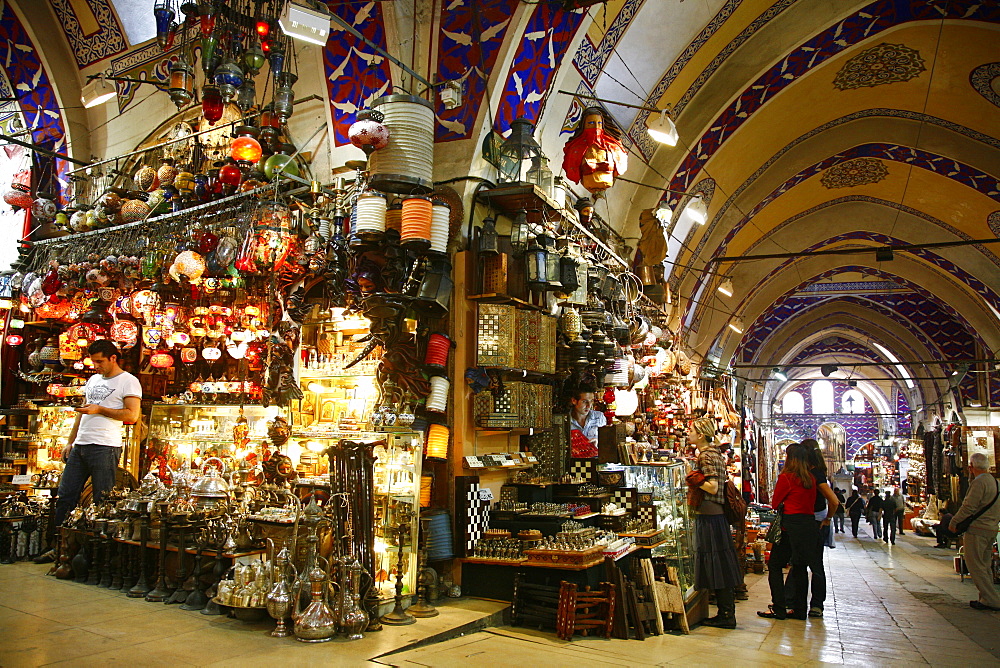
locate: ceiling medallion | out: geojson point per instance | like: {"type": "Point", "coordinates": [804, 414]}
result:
{"type": "Point", "coordinates": [857, 172]}
{"type": "Point", "coordinates": [882, 64]}
{"type": "Point", "coordinates": [986, 80]}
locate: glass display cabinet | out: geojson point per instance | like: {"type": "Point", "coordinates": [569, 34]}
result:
{"type": "Point", "coordinates": [669, 494]}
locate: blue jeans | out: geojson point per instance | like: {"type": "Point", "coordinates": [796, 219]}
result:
{"type": "Point", "coordinates": [97, 462]}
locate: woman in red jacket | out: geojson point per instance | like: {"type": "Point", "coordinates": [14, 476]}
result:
{"type": "Point", "coordinates": [795, 492]}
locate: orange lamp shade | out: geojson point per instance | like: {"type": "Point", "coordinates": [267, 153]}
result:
{"type": "Point", "coordinates": [437, 441]}
{"type": "Point", "coordinates": [161, 360]}
{"type": "Point", "coordinates": [426, 488]}
{"type": "Point", "coordinates": [246, 149]}
{"type": "Point", "coordinates": [416, 221]}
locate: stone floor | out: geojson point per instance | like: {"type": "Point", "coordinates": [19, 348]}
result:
{"type": "Point", "coordinates": [897, 605]}
{"type": "Point", "coordinates": [900, 605]}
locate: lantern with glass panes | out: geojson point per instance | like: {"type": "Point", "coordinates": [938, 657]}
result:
{"type": "Point", "coordinates": [519, 233]}
{"type": "Point", "coordinates": [488, 242]}
{"type": "Point", "coordinates": [540, 174]}
{"type": "Point", "coordinates": [518, 152]}
{"type": "Point", "coordinates": [542, 263]}
{"type": "Point", "coordinates": [569, 267]}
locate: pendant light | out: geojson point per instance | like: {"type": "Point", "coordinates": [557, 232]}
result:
{"type": "Point", "coordinates": [726, 287]}
{"type": "Point", "coordinates": [736, 325]}
{"type": "Point", "coordinates": [697, 209]}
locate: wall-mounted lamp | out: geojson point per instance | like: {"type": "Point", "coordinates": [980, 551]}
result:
{"type": "Point", "coordinates": [778, 374]}
{"type": "Point", "coordinates": [663, 130]}
{"type": "Point", "coordinates": [98, 91]}
{"type": "Point", "coordinates": [697, 209]}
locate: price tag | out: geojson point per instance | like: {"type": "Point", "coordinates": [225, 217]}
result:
{"type": "Point", "coordinates": [531, 459]}
{"type": "Point", "coordinates": [23, 479]}
{"type": "Point", "coordinates": [486, 495]}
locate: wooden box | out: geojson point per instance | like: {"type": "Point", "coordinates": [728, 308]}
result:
{"type": "Point", "coordinates": [495, 335]}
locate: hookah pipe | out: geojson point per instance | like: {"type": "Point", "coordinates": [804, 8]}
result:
{"type": "Point", "coordinates": [399, 616]}
{"type": "Point", "coordinates": [196, 599]}
{"type": "Point", "coordinates": [211, 607]}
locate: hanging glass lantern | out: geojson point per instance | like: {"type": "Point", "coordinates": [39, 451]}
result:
{"type": "Point", "coordinates": [164, 16]}
{"type": "Point", "coordinates": [228, 77]}
{"type": "Point", "coordinates": [281, 163]}
{"type": "Point", "coordinates": [209, 61]}
{"type": "Point", "coordinates": [367, 132]}
{"type": "Point", "coordinates": [246, 96]}
{"type": "Point", "coordinates": [230, 177]}
{"type": "Point", "coordinates": [207, 10]}
{"type": "Point", "coordinates": [212, 104]}
{"type": "Point", "coordinates": [552, 266]}
{"type": "Point", "coordinates": [276, 57]}
{"type": "Point", "coordinates": [518, 152]}
{"type": "Point", "coordinates": [536, 264]}
{"type": "Point", "coordinates": [569, 270]}
{"type": "Point", "coordinates": [245, 149]}
{"type": "Point", "coordinates": [161, 360]}
{"type": "Point", "coordinates": [284, 96]}
{"type": "Point", "coordinates": [519, 232]}
{"type": "Point", "coordinates": [43, 209]}
{"type": "Point", "coordinates": [254, 59]}
{"type": "Point", "coordinates": [488, 240]}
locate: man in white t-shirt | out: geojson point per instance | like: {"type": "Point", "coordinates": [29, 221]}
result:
{"type": "Point", "coordinates": [111, 399]}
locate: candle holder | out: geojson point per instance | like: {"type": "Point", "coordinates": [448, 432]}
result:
{"type": "Point", "coordinates": [160, 593]}
{"type": "Point", "coordinates": [141, 586]}
{"type": "Point", "coordinates": [196, 598]}
{"type": "Point", "coordinates": [399, 616]}
{"type": "Point", "coordinates": [423, 607]}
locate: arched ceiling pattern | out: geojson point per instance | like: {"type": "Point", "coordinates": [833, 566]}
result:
{"type": "Point", "coordinates": [807, 126]}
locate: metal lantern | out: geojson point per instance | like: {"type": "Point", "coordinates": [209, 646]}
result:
{"type": "Point", "coordinates": [284, 96]}
{"type": "Point", "coordinates": [518, 152]}
{"type": "Point", "coordinates": [536, 265]}
{"type": "Point", "coordinates": [488, 241]}
{"type": "Point", "coordinates": [552, 265]}
{"type": "Point", "coordinates": [181, 89]}
{"type": "Point", "coordinates": [435, 287]}
{"type": "Point", "coordinates": [367, 132]}
{"type": "Point", "coordinates": [228, 77]}
{"type": "Point", "coordinates": [519, 232]}
{"type": "Point", "coordinates": [540, 174]}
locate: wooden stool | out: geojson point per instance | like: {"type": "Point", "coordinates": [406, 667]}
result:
{"type": "Point", "coordinates": [585, 610]}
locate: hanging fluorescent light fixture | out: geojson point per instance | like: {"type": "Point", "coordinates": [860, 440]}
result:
{"type": "Point", "coordinates": [96, 92]}
{"type": "Point", "coordinates": [778, 374]}
{"type": "Point", "coordinates": [726, 287]}
{"type": "Point", "coordinates": [736, 325]}
{"type": "Point", "coordinates": [697, 209]}
{"type": "Point", "coordinates": [308, 22]}
{"type": "Point", "coordinates": [663, 131]}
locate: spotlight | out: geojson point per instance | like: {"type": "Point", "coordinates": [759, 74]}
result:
{"type": "Point", "coordinates": [664, 131]}
{"type": "Point", "coordinates": [308, 23]}
{"type": "Point", "coordinates": [778, 374]}
{"type": "Point", "coordinates": [96, 92]}
{"type": "Point", "coordinates": [697, 209]}
{"type": "Point", "coordinates": [828, 369]}
{"type": "Point", "coordinates": [663, 213]}
{"type": "Point", "coordinates": [736, 325]}
{"type": "Point", "coordinates": [726, 287]}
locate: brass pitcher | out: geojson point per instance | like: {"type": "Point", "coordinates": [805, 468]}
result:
{"type": "Point", "coordinates": [279, 599]}
{"type": "Point", "coordinates": [316, 623]}
{"type": "Point", "coordinates": [353, 619]}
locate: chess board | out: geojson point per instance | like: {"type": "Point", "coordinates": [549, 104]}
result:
{"type": "Point", "coordinates": [472, 514]}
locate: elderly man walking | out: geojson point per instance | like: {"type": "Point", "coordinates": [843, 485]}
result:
{"type": "Point", "coordinates": [981, 505]}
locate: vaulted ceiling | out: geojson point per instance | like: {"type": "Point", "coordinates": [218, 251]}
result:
{"type": "Point", "coordinates": [808, 125]}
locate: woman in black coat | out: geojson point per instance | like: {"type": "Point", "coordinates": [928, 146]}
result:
{"type": "Point", "coordinates": [855, 508]}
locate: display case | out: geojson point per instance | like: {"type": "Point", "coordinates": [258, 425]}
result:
{"type": "Point", "coordinates": [665, 483]}
{"type": "Point", "coordinates": [182, 436]}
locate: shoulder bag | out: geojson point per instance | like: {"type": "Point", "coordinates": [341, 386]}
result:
{"type": "Point", "coordinates": [735, 507]}
{"type": "Point", "coordinates": [964, 525]}
{"type": "Point", "coordinates": [775, 532]}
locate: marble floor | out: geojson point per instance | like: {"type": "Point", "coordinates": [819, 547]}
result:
{"type": "Point", "coordinates": [899, 605]}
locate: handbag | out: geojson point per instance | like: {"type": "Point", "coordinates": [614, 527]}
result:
{"type": "Point", "coordinates": [964, 525]}
{"type": "Point", "coordinates": [774, 532]}
{"type": "Point", "coordinates": [735, 507]}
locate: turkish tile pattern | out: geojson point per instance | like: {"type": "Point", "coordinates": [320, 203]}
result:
{"type": "Point", "coordinates": [982, 77]}
{"type": "Point", "coordinates": [842, 346]}
{"type": "Point", "coordinates": [547, 36]}
{"type": "Point", "coordinates": [903, 408]}
{"type": "Point", "coordinates": [880, 65]}
{"type": "Point", "coordinates": [860, 429]}
{"type": "Point", "coordinates": [108, 41]}
{"type": "Point", "coordinates": [994, 222]}
{"type": "Point", "coordinates": [860, 26]}
{"type": "Point", "coordinates": [472, 32]}
{"type": "Point", "coordinates": [866, 286]}
{"type": "Point", "coordinates": [32, 85]}
{"type": "Point", "coordinates": [355, 74]}
{"type": "Point", "coordinates": [11, 116]}
{"type": "Point", "coordinates": [590, 60]}
{"type": "Point", "coordinates": [637, 131]}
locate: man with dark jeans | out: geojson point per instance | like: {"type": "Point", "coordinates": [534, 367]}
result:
{"type": "Point", "coordinates": [111, 398]}
{"type": "Point", "coordinates": [889, 518]}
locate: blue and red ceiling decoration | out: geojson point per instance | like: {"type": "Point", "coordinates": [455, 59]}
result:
{"type": "Point", "coordinates": [34, 90]}
{"type": "Point", "coordinates": [547, 36]}
{"type": "Point", "coordinates": [472, 32]}
{"type": "Point", "coordinates": [355, 74]}
{"type": "Point", "coordinates": [861, 26]}
{"type": "Point", "coordinates": [590, 59]}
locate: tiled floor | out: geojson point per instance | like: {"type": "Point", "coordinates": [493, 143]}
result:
{"type": "Point", "coordinates": [901, 605]}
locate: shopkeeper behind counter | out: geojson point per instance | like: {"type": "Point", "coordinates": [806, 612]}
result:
{"type": "Point", "coordinates": [584, 422]}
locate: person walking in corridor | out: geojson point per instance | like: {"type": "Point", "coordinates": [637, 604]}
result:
{"type": "Point", "coordinates": [874, 509]}
{"type": "Point", "coordinates": [980, 504]}
{"type": "Point", "coordinates": [838, 517]}
{"type": "Point", "coordinates": [888, 518]}
{"type": "Point", "coordinates": [900, 504]}
{"type": "Point", "coordinates": [856, 508]}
